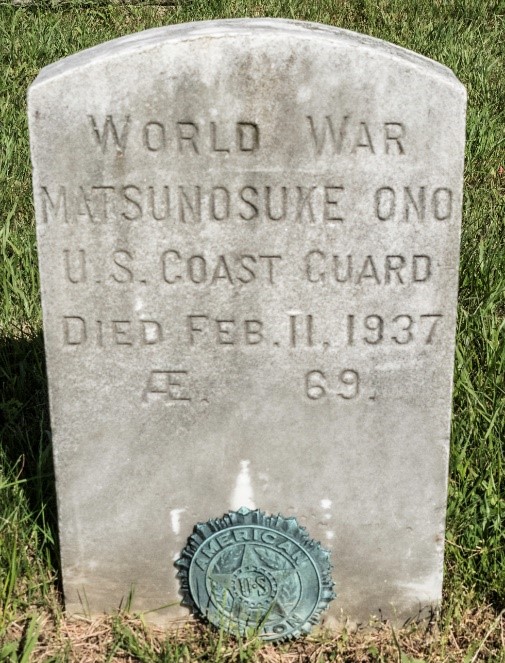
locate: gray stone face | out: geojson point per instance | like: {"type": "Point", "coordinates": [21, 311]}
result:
{"type": "Point", "coordinates": [248, 235]}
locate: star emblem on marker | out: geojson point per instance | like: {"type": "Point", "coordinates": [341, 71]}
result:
{"type": "Point", "coordinates": [253, 563]}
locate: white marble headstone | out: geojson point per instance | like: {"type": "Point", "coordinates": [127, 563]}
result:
{"type": "Point", "coordinates": [248, 236]}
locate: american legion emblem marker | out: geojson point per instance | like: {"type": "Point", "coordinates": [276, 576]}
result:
{"type": "Point", "coordinates": [251, 573]}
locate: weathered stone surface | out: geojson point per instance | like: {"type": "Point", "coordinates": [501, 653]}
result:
{"type": "Point", "coordinates": [248, 236]}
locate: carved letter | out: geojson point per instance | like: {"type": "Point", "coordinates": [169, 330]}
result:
{"type": "Point", "coordinates": [126, 275]}
{"type": "Point", "coordinates": [311, 277]}
{"type": "Point", "coordinates": [193, 325]}
{"type": "Point", "coordinates": [187, 132]}
{"type": "Point", "coordinates": [336, 269]}
{"type": "Point", "coordinates": [214, 140]}
{"type": "Point", "coordinates": [195, 206]}
{"type": "Point", "coordinates": [248, 270]}
{"type": "Point", "coordinates": [419, 206]}
{"type": "Point", "coordinates": [154, 136]}
{"type": "Point", "coordinates": [163, 214]}
{"type": "Point", "coordinates": [254, 208]}
{"type": "Point", "coordinates": [319, 136]}
{"type": "Point", "coordinates": [385, 203]}
{"type": "Point", "coordinates": [394, 131]}
{"type": "Point", "coordinates": [128, 191]}
{"type": "Point", "coordinates": [80, 276]}
{"type": "Point", "coordinates": [368, 271]}
{"type": "Point", "coordinates": [282, 214]}
{"type": "Point", "coordinates": [421, 268]}
{"type": "Point", "coordinates": [441, 203]}
{"type": "Point", "coordinates": [225, 329]}
{"type": "Point", "coordinates": [394, 264]}
{"type": "Point", "coordinates": [222, 271]}
{"type": "Point", "coordinates": [270, 262]}
{"type": "Point", "coordinates": [248, 136]}
{"type": "Point", "coordinates": [167, 383]}
{"type": "Point", "coordinates": [253, 332]}
{"type": "Point", "coordinates": [175, 257]}
{"type": "Point", "coordinates": [109, 127]}
{"type": "Point", "coordinates": [57, 209]}
{"type": "Point", "coordinates": [74, 330]}
{"type": "Point", "coordinates": [151, 332]}
{"type": "Point", "coordinates": [331, 194]}
{"type": "Point", "coordinates": [364, 139]}
{"type": "Point", "coordinates": [120, 332]}
{"type": "Point", "coordinates": [197, 269]}
{"type": "Point", "coordinates": [220, 203]}
{"type": "Point", "coordinates": [305, 200]}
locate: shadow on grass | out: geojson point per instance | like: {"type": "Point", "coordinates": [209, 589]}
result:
{"type": "Point", "coordinates": [25, 432]}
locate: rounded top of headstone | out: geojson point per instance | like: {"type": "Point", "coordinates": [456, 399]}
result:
{"type": "Point", "coordinates": [251, 572]}
{"type": "Point", "coordinates": [242, 28]}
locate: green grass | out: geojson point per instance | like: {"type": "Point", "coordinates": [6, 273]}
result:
{"type": "Point", "coordinates": [467, 36]}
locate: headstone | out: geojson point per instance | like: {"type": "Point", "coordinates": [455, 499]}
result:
{"type": "Point", "coordinates": [248, 238]}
